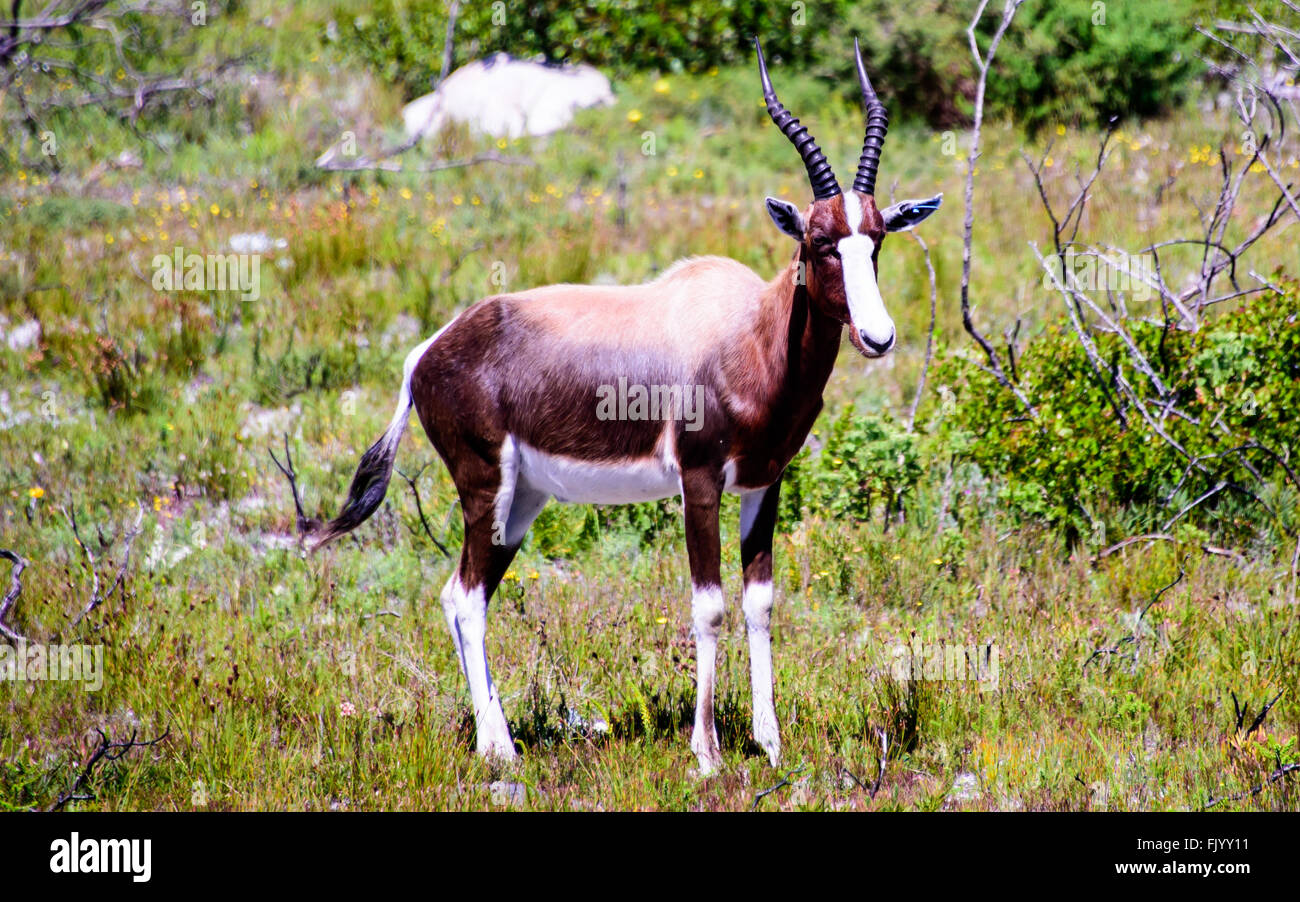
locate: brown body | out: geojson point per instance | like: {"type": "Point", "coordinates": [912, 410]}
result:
{"type": "Point", "coordinates": [758, 350]}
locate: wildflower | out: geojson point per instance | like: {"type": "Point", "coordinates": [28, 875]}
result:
{"type": "Point", "coordinates": [634, 116]}
{"type": "Point", "coordinates": [661, 620]}
{"type": "Point", "coordinates": [346, 708]}
{"type": "Point", "coordinates": [36, 492]}
{"type": "Point", "coordinates": [662, 86]}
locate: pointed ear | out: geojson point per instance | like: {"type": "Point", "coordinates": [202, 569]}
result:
{"type": "Point", "coordinates": [787, 217]}
{"type": "Point", "coordinates": [902, 216]}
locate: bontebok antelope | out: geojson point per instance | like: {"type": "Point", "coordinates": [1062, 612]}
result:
{"type": "Point", "coordinates": [706, 380]}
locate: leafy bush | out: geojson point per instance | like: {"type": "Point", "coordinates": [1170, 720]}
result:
{"type": "Point", "coordinates": [1238, 380]}
{"type": "Point", "coordinates": [403, 41]}
{"type": "Point", "coordinates": [1084, 62]}
{"type": "Point", "coordinates": [866, 461]}
{"type": "Point", "coordinates": [1064, 60]}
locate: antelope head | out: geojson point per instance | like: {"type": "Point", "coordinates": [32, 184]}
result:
{"type": "Point", "coordinates": [840, 234]}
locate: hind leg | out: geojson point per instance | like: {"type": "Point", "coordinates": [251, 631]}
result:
{"type": "Point", "coordinates": [757, 521]}
{"type": "Point", "coordinates": [495, 524]}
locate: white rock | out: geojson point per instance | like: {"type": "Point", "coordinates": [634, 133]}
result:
{"type": "Point", "coordinates": [506, 794]}
{"type": "Point", "coordinates": [255, 243]}
{"type": "Point", "coordinates": [507, 98]}
{"type": "Point", "coordinates": [965, 788]}
{"type": "Point", "coordinates": [24, 336]}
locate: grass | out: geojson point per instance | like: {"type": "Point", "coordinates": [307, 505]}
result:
{"type": "Point", "coordinates": [330, 682]}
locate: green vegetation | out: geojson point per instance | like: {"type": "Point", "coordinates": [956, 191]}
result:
{"type": "Point", "coordinates": [1094, 464]}
{"type": "Point", "coordinates": [1067, 61]}
{"type": "Point", "coordinates": [330, 682]}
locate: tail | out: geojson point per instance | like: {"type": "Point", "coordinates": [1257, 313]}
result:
{"type": "Point", "coordinates": [370, 483]}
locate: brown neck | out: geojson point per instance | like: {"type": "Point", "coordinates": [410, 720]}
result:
{"type": "Point", "coordinates": [802, 342]}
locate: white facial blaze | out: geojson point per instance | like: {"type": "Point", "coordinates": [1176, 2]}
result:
{"type": "Point", "coordinates": [866, 307]}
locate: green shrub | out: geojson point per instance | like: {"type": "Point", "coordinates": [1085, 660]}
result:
{"type": "Point", "coordinates": [403, 41]}
{"type": "Point", "coordinates": [1237, 381]}
{"type": "Point", "coordinates": [865, 463]}
{"type": "Point", "coordinates": [1059, 61]}
{"type": "Point", "coordinates": [1083, 62]}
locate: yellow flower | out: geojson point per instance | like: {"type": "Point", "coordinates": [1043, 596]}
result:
{"type": "Point", "coordinates": [699, 173]}
{"type": "Point", "coordinates": [1060, 129]}
{"type": "Point", "coordinates": [406, 193]}
{"type": "Point", "coordinates": [36, 492]}
{"type": "Point", "coordinates": [501, 143]}
{"type": "Point", "coordinates": [634, 116]}
{"type": "Point", "coordinates": [938, 560]}
{"type": "Point", "coordinates": [214, 210]}
{"type": "Point", "coordinates": [533, 574]}
{"type": "Point", "coordinates": [157, 503]}
{"type": "Point", "coordinates": [662, 86]}
{"type": "Point", "coordinates": [661, 620]}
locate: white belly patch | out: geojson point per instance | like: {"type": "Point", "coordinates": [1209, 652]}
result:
{"type": "Point", "coordinates": [583, 482]}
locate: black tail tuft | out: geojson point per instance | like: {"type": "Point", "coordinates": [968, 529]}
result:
{"type": "Point", "coordinates": [366, 493]}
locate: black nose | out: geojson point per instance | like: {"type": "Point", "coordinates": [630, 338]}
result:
{"type": "Point", "coordinates": [879, 347]}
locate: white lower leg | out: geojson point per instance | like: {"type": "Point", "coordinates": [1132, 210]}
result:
{"type": "Point", "coordinates": [450, 592]}
{"type": "Point", "coordinates": [706, 611]}
{"type": "Point", "coordinates": [490, 721]}
{"type": "Point", "coordinates": [757, 605]}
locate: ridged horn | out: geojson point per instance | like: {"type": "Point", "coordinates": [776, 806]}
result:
{"type": "Point", "coordinates": [819, 170]}
{"type": "Point", "coordinates": [877, 126]}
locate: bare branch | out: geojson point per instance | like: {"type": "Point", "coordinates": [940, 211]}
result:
{"type": "Point", "coordinates": [11, 597]}
{"type": "Point", "coordinates": [1283, 771]}
{"type": "Point", "coordinates": [107, 751]}
{"type": "Point", "coordinates": [785, 781]}
{"type": "Point", "coordinates": [419, 508]}
{"type": "Point", "coordinates": [1134, 638]}
{"type": "Point", "coordinates": [96, 599]}
{"type": "Point", "coordinates": [982, 63]}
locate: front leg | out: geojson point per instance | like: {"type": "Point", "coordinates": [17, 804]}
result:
{"type": "Point", "coordinates": [757, 522]}
{"type": "Point", "coordinates": [702, 494]}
